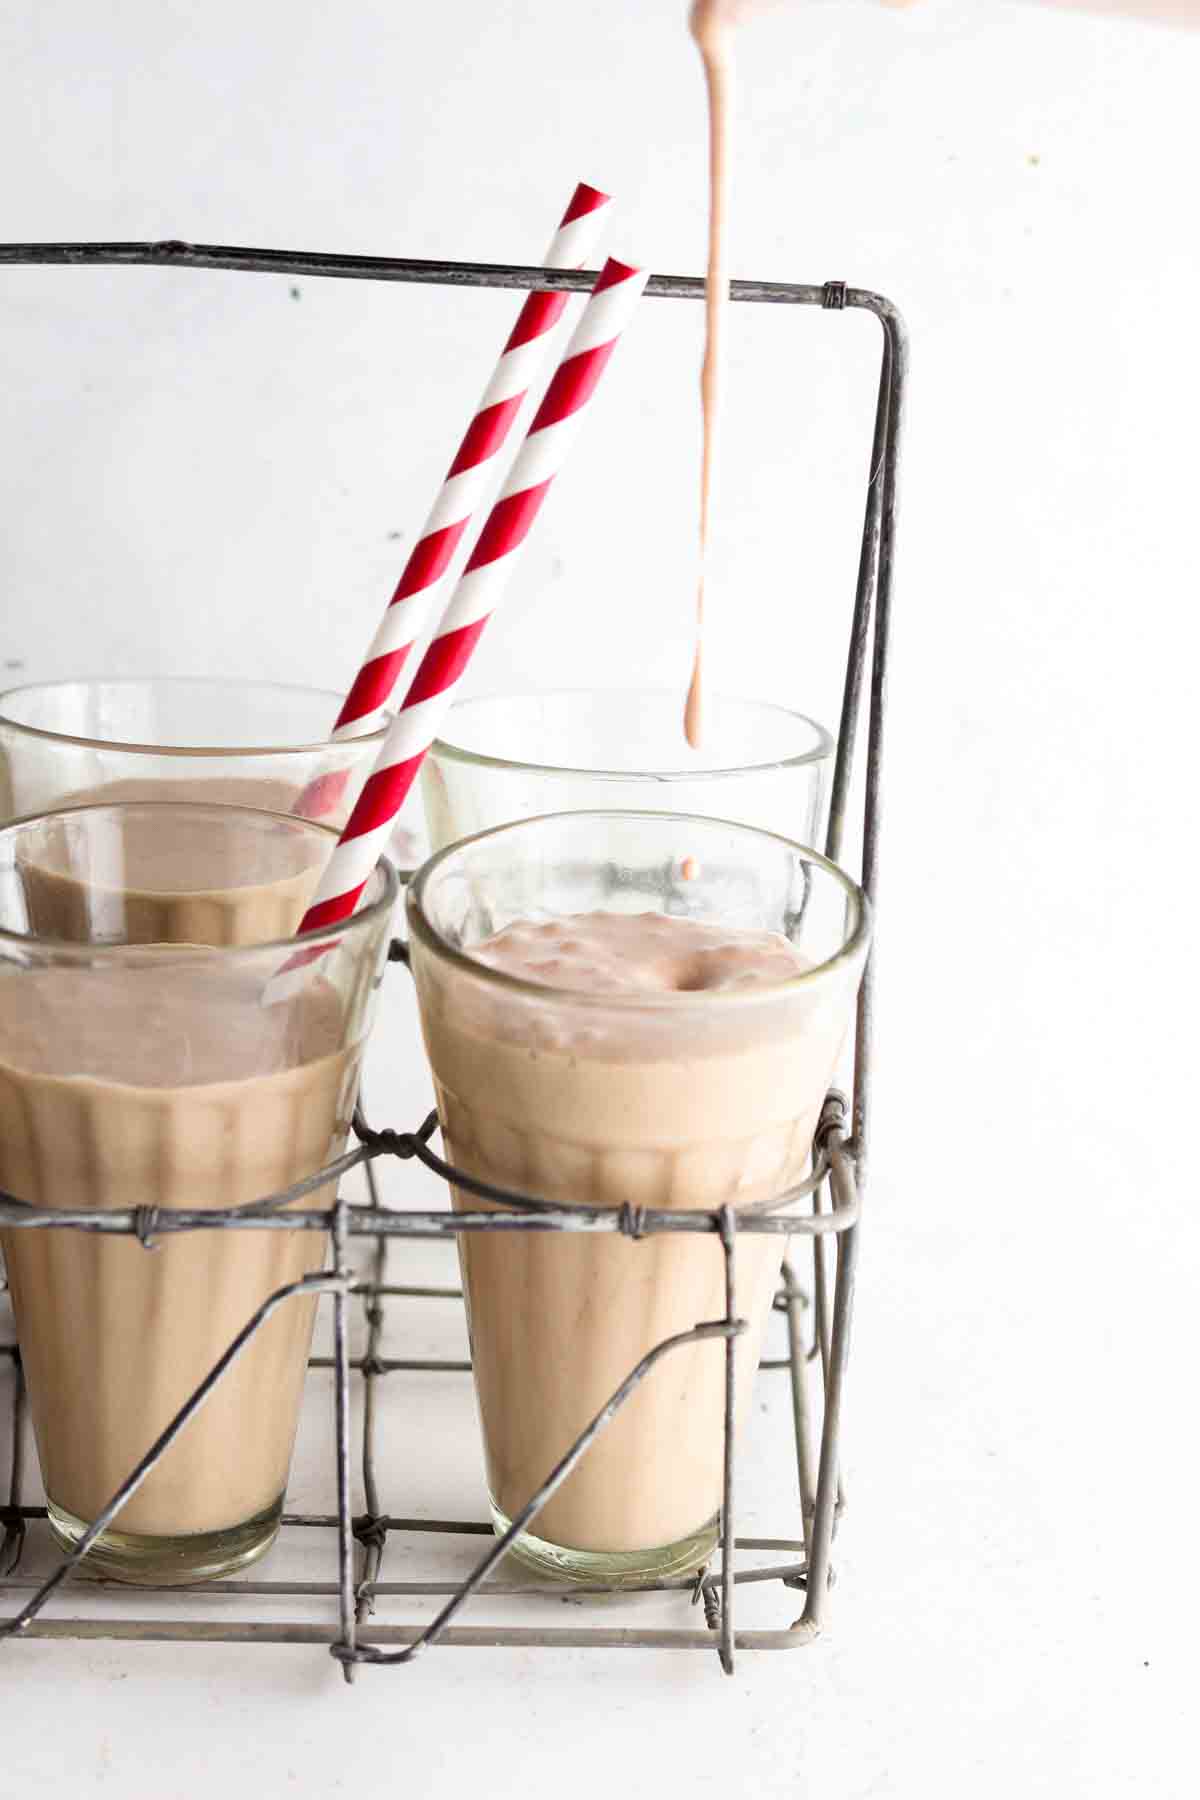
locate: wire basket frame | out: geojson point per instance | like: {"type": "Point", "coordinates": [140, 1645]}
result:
{"type": "Point", "coordinates": [833, 1190]}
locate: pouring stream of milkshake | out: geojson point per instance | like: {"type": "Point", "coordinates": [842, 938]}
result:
{"type": "Point", "coordinates": [711, 26]}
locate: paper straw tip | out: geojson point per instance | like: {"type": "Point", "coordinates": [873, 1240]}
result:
{"type": "Point", "coordinates": [585, 199]}
{"type": "Point", "coordinates": [614, 272]}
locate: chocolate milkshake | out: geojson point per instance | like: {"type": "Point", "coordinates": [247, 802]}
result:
{"type": "Point", "coordinates": [602, 1058]}
{"type": "Point", "coordinates": [170, 874]}
{"type": "Point", "coordinates": [203, 790]}
{"type": "Point", "coordinates": [147, 1098]}
{"type": "Point", "coordinates": [157, 1076]}
{"type": "Point", "coordinates": [239, 743]}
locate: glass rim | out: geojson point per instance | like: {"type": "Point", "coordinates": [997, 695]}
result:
{"type": "Point", "coordinates": [132, 747]}
{"type": "Point", "coordinates": [69, 948]}
{"type": "Point", "coordinates": [857, 940]}
{"type": "Point", "coordinates": [444, 747]}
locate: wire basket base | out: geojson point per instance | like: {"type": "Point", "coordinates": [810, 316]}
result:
{"type": "Point", "coordinates": [405, 1567]}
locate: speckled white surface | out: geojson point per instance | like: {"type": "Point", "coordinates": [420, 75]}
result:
{"type": "Point", "coordinates": [202, 473]}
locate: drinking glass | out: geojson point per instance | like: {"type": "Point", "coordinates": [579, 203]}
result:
{"type": "Point", "coordinates": [150, 1057]}
{"type": "Point", "coordinates": [691, 1098]}
{"type": "Point", "coordinates": [515, 756]}
{"type": "Point", "coordinates": [247, 743]}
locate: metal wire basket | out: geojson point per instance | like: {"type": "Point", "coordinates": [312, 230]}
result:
{"type": "Point", "coordinates": [815, 1362]}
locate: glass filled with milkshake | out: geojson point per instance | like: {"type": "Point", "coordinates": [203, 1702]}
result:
{"type": "Point", "coordinates": [641, 1009]}
{"type": "Point", "coordinates": [220, 742]}
{"type": "Point", "coordinates": [150, 1057]}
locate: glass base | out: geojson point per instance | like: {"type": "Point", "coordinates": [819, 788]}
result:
{"type": "Point", "coordinates": [611, 1568]}
{"type": "Point", "coordinates": [168, 1561]}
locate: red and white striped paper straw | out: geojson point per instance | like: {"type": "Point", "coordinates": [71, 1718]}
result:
{"type": "Point", "coordinates": [479, 591]}
{"type": "Point", "coordinates": [520, 362]}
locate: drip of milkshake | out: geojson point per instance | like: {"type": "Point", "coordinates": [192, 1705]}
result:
{"type": "Point", "coordinates": [711, 26]}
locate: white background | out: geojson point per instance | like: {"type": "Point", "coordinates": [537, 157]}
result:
{"type": "Point", "coordinates": [202, 473]}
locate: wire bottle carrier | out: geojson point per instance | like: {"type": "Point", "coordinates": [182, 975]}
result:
{"type": "Point", "coordinates": [815, 1362]}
